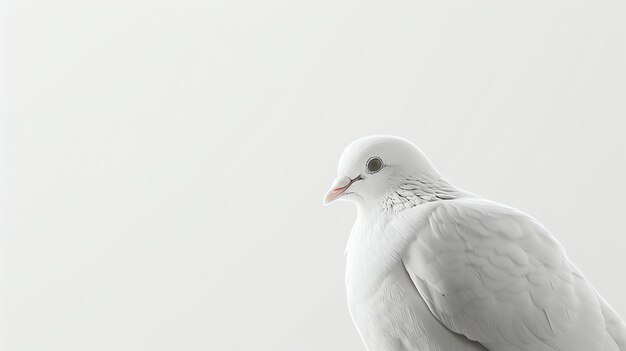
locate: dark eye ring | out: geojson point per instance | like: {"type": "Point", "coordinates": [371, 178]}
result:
{"type": "Point", "coordinates": [374, 164]}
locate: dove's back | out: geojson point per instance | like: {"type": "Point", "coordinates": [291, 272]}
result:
{"type": "Point", "coordinates": [497, 276]}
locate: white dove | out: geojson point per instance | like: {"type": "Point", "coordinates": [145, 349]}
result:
{"type": "Point", "coordinates": [431, 267]}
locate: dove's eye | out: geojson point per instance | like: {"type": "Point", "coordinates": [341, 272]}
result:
{"type": "Point", "coordinates": [374, 164]}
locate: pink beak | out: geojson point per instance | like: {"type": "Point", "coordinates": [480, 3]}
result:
{"type": "Point", "coordinates": [339, 187]}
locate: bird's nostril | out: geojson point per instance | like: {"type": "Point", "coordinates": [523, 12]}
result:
{"type": "Point", "coordinates": [341, 182]}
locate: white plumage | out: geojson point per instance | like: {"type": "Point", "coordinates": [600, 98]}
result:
{"type": "Point", "coordinates": [432, 267]}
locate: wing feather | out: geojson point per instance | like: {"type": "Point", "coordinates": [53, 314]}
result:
{"type": "Point", "coordinates": [499, 277]}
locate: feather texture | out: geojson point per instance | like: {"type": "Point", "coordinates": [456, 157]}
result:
{"type": "Point", "coordinates": [497, 276]}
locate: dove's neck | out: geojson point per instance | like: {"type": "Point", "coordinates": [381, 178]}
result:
{"type": "Point", "coordinates": [413, 190]}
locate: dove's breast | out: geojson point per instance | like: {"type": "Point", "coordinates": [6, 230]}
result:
{"type": "Point", "coordinates": [385, 306]}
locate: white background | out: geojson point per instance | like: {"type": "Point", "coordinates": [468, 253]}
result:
{"type": "Point", "coordinates": [164, 162]}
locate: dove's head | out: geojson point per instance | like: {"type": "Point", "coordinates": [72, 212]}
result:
{"type": "Point", "coordinates": [372, 167]}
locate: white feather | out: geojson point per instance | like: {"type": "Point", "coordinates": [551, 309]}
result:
{"type": "Point", "coordinates": [498, 277]}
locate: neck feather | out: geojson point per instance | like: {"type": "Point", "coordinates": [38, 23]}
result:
{"type": "Point", "coordinates": [414, 190]}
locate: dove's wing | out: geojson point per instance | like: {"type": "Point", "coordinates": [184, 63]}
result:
{"type": "Point", "coordinates": [614, 324]}
{"type": "Point", "coordinates": [498, 277]}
